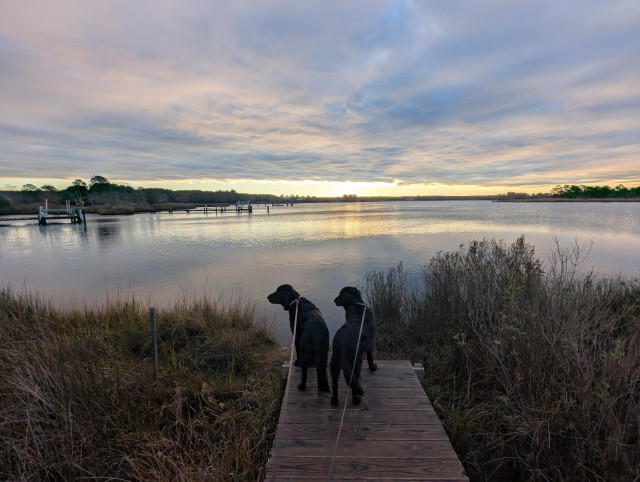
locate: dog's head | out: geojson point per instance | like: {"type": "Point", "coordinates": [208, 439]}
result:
{"type": "Point", "coordinates": [284, 295]}
{"type": "Point", "coordinates": [348, 296]}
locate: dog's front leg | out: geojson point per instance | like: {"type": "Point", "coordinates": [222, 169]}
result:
{"type": "Point", "coordinates": [296, 343]}
{"type": "Point", "coordinates": [303, 370]}
{"type": "Point", "coordinates": [356, 390]}
{"type": "Point", "coordinates": [358, 368]}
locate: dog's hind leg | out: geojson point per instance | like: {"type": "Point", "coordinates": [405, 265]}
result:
{"type": "Point", "coordinates": [335, 377]}
{"type": "Point", "coordinates": [296, 363]}
{"type": "Point", "coordinates": [353, 381]}
{"type": "Point", "coordinates": [372, 366]}
{"type": "Point", "coordinates": [304, 366]}
{"type": "Point", "coordinates": [321, 371]}
{"type": "Point", "coordinates": [303, 371]}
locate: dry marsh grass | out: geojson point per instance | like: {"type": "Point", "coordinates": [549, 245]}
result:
{"type": "Point", "coordinates": [78, 399]}
{"type": "Point", "coordinates": [533, 367]}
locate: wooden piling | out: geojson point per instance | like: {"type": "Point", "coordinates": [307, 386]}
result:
{"type": "Point", "coordinates": [154, 344]}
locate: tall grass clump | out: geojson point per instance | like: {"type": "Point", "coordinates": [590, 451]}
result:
{"type": "Point", "coordinates": [78, 398]}
{"type": "Point", "coordinates": [533, 367]}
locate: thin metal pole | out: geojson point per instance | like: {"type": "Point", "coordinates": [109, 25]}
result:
{"type": "Point", "coordinates": [154, 344]}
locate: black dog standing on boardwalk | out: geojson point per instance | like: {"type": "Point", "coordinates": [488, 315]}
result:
{"type": "Point", "coordinates": [312, 334]}
{"type": "Point", "coordinates": [346, 349]}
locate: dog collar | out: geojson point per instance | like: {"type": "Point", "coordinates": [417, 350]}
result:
{"type": "Point", "coordinates": [297, 300]}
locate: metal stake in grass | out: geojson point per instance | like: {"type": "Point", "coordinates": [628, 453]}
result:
{"type": "Point", "coordinates": [154, 344]}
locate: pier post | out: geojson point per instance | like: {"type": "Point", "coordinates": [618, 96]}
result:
{"type": "Point", "coordinates": [42, 218]}
{"type": "Point", "coordinates": [154, 345]}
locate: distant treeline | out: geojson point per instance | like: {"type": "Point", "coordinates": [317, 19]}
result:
{"type": "Point", "coordinates": [572, 191]}
{"type": "Point", "coordinates": [99, 192]}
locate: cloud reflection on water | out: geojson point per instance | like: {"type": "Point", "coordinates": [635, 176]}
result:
{"type": "Point", "coordinates": [317, 248]}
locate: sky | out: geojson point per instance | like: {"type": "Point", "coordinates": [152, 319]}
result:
{"type": "Point", "coordinates": [321, 98]}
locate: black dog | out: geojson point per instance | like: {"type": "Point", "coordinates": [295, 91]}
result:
{"type": "Point", "coordinates": [312, 334]}
{"type": "Point", "coordinates": [346, 349]}
{"type": "Point", "coordinates": [350, 299]}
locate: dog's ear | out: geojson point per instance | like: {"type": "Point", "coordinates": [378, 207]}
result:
{"type": "Point", "coordinates": [286, 295]}
{"type": "Point", "coordinates": [290, 292]}
{"type": "Point", "coordinates": [352, 294]}
{"type": "Point", "coordinates": [353, 290]}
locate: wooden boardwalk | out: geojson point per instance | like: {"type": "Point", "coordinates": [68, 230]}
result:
{"type": "Point", "coordinates": [394, 434]}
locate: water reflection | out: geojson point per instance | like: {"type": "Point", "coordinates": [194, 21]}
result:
{"type": "Point", "coordinates": [108, 233]}
{"type": "Point", "coordinates": [319, 248]}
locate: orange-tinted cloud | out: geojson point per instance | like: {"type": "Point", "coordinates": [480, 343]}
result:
{"type": "Point", "coordinates": [385, 94]}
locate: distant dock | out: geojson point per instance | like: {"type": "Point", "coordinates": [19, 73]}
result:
{"type": "Point", "coordinates": [216, 208]}
{"type": "Point", "coordinates": [75, 215]}
{"type": "Point", "coordinates": [213, 208]}
{"type": "Point", "coordinates": [244, 206]}
{"type": "Point", "coordinates": [78, 214]}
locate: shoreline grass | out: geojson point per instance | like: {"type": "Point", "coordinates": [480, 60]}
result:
{"type": "Point", "coordinates": [78, 399]}
{"type": "Point", "coordinates": [533, 369]}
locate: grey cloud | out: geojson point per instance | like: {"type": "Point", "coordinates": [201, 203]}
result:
{"type": "Point", "coordinates": [494, 91]}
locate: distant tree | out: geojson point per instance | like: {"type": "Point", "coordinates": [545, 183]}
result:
{"type": "Point", "coordinates": [77, 190]}
{"type": "Point", "coordinates": [4, 204]}
{"type": "Point", "coordinates": [514, 195]}
{"type": "Point", "coordinates": [99, 184]}
{"type": "Point", "coordinates": [48, 188]}
{"type": "Point", "coordinates": [574, 191]}
{"type": "Point", "coordinates": [29, 188]}
{"type": "Point", "coordinates": [98, 180]}
{"type": "Point", "coordinates": [559, 191]}
{"type": "Point", "coordinates": [594, 192]}
{"type": "Point", "coordinates": [621, 191]}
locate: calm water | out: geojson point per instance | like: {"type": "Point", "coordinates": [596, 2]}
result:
{"type": "Point", "coordinates": [318, 248]}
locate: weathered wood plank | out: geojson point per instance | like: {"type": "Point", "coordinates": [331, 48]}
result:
{"type": "Point", "coordinates": [333, 416]}
{"type": "Point", "coordinates": [373, 393]}
{"type": "Point", "coordinates": [316, 403]}
{"type": "Point", "coordinates": [375, 382]}
{"type": "Point", "coordinates": [363, 432]}
{"type": "Point", "coordinates": [364, 449]}
{"type": "Point", "coordinates": [393, 434]}
{"type": "Point", "coordinates": [367, 383]}
{"type": "Point", "coordinates": [393, 468]}
{"type": "Point", "coordinates": [385, 368]}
